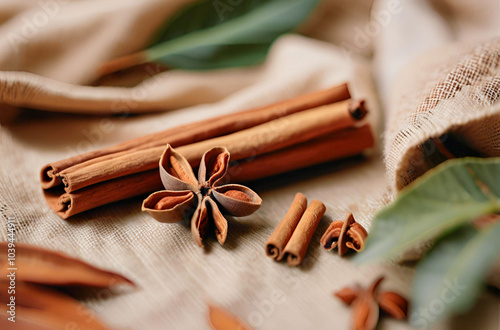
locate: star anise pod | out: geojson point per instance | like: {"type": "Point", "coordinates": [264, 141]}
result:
{"type": "Point", "coordinates": [367, 302]}
{"type": "Point", "coordinates": [203, 199]}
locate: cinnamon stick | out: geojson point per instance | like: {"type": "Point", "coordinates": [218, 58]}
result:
{"type": "Point", "coordinates": [281, 235]}
{"type": "Point", "coordinates": [344, 143]}
{"type": "Point", "coordinates": [289, 136]}
{"type": "Point", "coordinates": [69, 204]}
{"type": "Point", "coordinates": [197, 131]}
{"type": "Point", "coordinates": [296, 248]}
{"type": "Point", "coordinates": [270, 136]}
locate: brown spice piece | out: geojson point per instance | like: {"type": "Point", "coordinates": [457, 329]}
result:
{"type": "Point", "coordinates": [365, 310]}
{"type": "Point", "coordinates": [76, 181]}
{"type": "Point", "coordinates": [171, 201]}
{"type": "Point", "coordinates": [281, 235]}
{"type": "Point", "coordinates": [296, 248]}
{"type": "Point", "coordinates": [177, 201]}
{"type": "Point", "coordinates": [348, 295]}
{"type": "Point", "coordinates": [42, 266]}
{"type": "Point", "coordinates": [356, 236]}
{"type": "Point", "coordinates": [344, 143]}
{"type": "Point", "coordinates": [340, 144]}
{"type": "Point", "coordinates": [365, 304]}
{"type": "Point", "coordinates": [330, 238]}
{"type": "Point", "coordinates": [393, 304]}
{"type": "Point", "coordinates": [40, 306]}
{"type": "Point", "coordinates": [345, 235]}
{"type": "Point", "coordinates": [194, 132]}
{"type": "Point", "coordinates": [236, 194]}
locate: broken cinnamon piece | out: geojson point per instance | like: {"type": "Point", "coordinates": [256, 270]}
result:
{"type": "Point", "coordinates": [330, 238]}
{"type": "Point", "coordinates": [345, 235]}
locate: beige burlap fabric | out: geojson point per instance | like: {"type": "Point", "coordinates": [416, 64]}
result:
{"type": "Point", "coordinates": [452, 90]}
{"type": "Point", "coordinates": [59, 60]}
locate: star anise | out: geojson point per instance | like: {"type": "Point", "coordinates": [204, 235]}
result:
{"type": "Point", "coordinates": [367, 302]}
{"type": "Point", "coordinates": [204, 199]}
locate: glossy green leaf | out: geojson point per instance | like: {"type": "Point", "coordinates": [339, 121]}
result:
{"type": "Point", "coordinates": [443, 199]}
{"type": "Point", "coordinates": [451, 276]}
{"type": "Point", "coordinates": [226, 33]}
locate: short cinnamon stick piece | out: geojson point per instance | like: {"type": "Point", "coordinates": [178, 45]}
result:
{"type": "Point", "coordinates": [296, 248]}
{"type": "Point", "coordinates": [281, 235]}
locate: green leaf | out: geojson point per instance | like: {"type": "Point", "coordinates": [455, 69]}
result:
{"type": "Point", "coordinates": [225, 33]}
{"type": "Point", "coordinates": [451, 276]}
{"type": "Point", "coordinates": [443, 199]}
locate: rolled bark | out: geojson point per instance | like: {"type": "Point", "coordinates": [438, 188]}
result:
{"type": "Point", "coordinates": [281, 235]}
{"type": "Point", "coordinates": [194, 132]}
{"type": "Point", "coordinates": [296, 248]}
{"type": "Point", "coordinates": [345, 143]}
{"type": "Point", "coordinates": [260, 139]}
{"type": "Point", "coordinates": [288, 137]}
{"type": "Point", "coordinates": [341, 144]}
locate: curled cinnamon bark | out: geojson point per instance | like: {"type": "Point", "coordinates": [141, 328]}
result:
{"type": "Point", "coordinates": [281, 235]}
{"type": "Point", "coordinates": [345, 235]}
{"type": "Point", "coordinates": [194, 132]}
{"type": "Point", "coordinates": [267, 137]}
{"type": "Point", "coordinates": [296, 247]}
{"type": "Point", "coordinates": [286, 136]}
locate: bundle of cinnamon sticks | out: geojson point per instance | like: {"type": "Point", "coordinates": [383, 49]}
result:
{"type": "Point", "coordinates": [285, 136]}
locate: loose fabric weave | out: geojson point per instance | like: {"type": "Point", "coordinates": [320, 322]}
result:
{"type": "Point", "coordinates": [53, 66]}
{"type": "Point", "coordinates": [459, 93]}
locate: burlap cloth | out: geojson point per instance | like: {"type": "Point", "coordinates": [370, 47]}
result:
{"type": "Point", "coordinates": [435, 67]}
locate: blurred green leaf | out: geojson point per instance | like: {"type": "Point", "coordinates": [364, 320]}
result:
{"type": "Point", "coordinates": [451, 276]}
{"type": "Point", "coordinates": [440, 201]}
{"type": "Point", "coordinates": [225, 33]}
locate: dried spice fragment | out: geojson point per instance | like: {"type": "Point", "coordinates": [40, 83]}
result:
{"type": "Point", "coordinates": [203, 199]}
{"type": "Point", "coordinates": [37, 304]}
{"type": "Point", "coordinates": [393, 304]}
{"type": "Point", "coordinates": [346, 235]}
{"type": "Point", "coordinates": [366, 304]}
{"type": "Point", "coordinates": [42, 266]}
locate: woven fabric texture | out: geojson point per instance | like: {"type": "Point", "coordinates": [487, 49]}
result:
{"type": "Point", "coordinates": [434, 78]}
